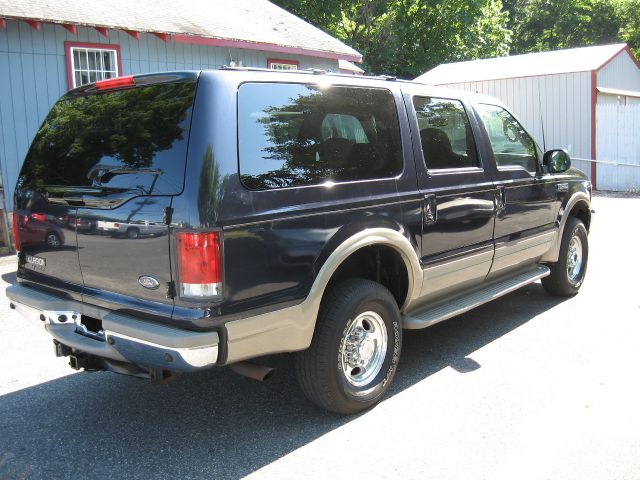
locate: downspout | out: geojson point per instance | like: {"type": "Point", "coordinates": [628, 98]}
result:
{"type": "Point", "coordinates": [594, 99]}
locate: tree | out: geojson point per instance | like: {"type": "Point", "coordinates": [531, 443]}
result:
{"type": "Point", "coordinates": [630, 31]}
{"type": "Point", "coordinates": [434, 32]}
{"type": "Point", "coordinates": [325, 14]}
{"type": "Point", "coordinates": [408, 37]}
{"type": "Point", "coordinates": [542, 25]}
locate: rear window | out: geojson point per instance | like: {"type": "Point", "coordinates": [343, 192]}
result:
{"type": "Point", "coordinates": [291, 134]}
{"type": "Point", "coordinates": [101, 149]}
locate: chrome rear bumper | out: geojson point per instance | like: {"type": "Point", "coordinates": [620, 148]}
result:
{"type": "Point", "coordinates": [122, 338]}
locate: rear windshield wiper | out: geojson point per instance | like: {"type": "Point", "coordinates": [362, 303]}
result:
{"type": "Point", "coordinates": [74, 202]}
{"type": "Point", "coordinates": [90, 196]}
{"type": "Point", "coordinates": [98, 172]}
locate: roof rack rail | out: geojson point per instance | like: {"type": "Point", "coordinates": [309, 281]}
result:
{"type": "Point", "coordinates": [307, 71]}
{"type": "Point", "coordinates": [315, 71]}
{"type": "Point", "coordinates": [245, 69]}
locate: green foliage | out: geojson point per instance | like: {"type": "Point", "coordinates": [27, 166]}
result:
{"type": "Point", "coordinates": [408, 37]}
{"type": "Point", "coordinates": [541, 25]}
{"type": "Point", "coordinates": [630, 31]}
{"type": "Point", "coordinates": [434, 32]}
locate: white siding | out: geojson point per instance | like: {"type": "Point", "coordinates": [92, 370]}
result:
{"type": "Point", "coordinates": [613, 99]}
{"type": "Point", "coordinates": [562, 101]}
{"type": "Point", "coordinates": [610, 99]}
{"type": "Point", "coordinates": [618, 147]}
{"type": "Point", "coordinates": [621, 73]}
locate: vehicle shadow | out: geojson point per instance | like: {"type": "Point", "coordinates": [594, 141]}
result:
{"type": "Point", "coordinates": [213, 424]}
{"type": "Point", "coordinates": [10, 278]}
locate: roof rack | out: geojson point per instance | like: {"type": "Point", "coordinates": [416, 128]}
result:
{"type": "Point", "coordinates": [316, 71]}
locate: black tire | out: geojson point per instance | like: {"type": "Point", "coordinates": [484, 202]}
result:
{"type": "Point", "coordinates": [324, 372]}
{"type": "Point", "coordinates": [133, 232]}
{"type": "Point", "coordinates": [562, 282]}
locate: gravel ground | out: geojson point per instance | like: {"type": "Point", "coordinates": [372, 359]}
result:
{"type": "Point", "coordinates": [526, 387]}
{"type": "Point", "coordinates": [608, 194]}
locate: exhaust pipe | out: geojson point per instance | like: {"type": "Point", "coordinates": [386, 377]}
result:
{"type": "Point", "coordinates": [260, 373]}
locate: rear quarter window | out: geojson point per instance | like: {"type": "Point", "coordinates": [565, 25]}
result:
{"type": "Point", "coordinates": [292, 135]}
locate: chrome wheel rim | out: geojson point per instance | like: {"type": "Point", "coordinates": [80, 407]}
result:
{"type": "Point", "coordinates": [52, 240]}
{"type": "Point", "coordinates": [363, 348]}
{"type": "Point", "coordinates": [574, 259]}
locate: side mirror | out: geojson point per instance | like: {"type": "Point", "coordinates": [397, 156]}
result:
{"type": "Point", "coordinates": [557, 161]}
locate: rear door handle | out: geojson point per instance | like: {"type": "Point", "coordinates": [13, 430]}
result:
{"type": "Point", "coordinates": [430, 209]}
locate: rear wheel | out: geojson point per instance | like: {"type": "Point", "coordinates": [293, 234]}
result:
{"type": "Point", "coordinates": [53, 240]}
{"type": "Point", "coordinates": [355, 348]}
{"type": "Point", "coordinates": [568, 273]}
{"type": "Point", "coordinates": [133, 232]}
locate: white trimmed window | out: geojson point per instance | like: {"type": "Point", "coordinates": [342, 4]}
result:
{"type": "Point", "coordinates": [92, 64]}
{"type": "Point", "coordinates": [275, 64]}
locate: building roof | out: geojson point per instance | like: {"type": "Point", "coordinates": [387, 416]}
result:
{"type": "Point", "coordinates": [349, 67]}
{"type": "Point", "coordinates": [616, 91]}
{"type": "Point", "coordinates": [256, 24]}
{"type": "Point", "coordinates": [532, 64]}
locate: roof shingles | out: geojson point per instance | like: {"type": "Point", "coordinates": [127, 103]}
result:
{"type": "Point", "coordinates": [253, 21]}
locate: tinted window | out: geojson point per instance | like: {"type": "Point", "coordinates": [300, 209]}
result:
{"type": "Point", "coordinates": [100, 149]}
{"type": "Point", "coordinates": [338, 125]}
{"type": "Point", "coordinates": [511, 144]}
{"type": "Point", "coordinates": [292, 134]}
{"type": "Point", "coordinates": [445, 133]}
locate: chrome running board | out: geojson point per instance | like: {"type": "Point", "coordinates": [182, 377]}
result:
{"type": "Point", "coordinates": [464, 303]}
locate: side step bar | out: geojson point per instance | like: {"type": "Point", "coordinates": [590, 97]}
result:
{"type": "Point", "coordinates": [458, 305]}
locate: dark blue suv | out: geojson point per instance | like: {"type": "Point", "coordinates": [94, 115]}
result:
{"type": "Point", "coordinates": [237, 213]}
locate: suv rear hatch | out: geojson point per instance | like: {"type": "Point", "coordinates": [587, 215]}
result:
{"type": "Point", "coordinates": [96, 187]}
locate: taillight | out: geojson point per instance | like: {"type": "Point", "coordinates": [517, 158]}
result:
{"type": "Point", "coordinates": [117, 82]}
{"type": "Point", "coordinates": [200, 264]}
{"type": "Point", "coordinates": [39, 216]}
{"type": "Point", "coordinates": [16, 238]}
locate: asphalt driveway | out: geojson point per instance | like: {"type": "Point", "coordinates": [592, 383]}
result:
{"type": "Point", "coordinates": [527, 387]}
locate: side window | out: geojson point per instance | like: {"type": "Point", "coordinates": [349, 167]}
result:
{"type": "Point", "coordinates": [292, 134]}
{"type": "Point", "coordinates": [512, 145]}
{"type": "Point", "coordinates": [445, 133]}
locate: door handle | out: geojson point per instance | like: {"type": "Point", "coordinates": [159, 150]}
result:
{"type": "Point", "coordinates": [430, 209]}
{"type": "Point", "coordinates": [501, 202]}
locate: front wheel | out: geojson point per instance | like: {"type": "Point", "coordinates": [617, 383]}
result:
{"type": "Point", "coordinates": [355, 348]}
{"type": "Point", "coordinates": [568, 273]}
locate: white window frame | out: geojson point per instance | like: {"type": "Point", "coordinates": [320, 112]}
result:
{"type": "Point", "coordinates": [282, 65]}
{"type": "Point", "coordinates": [100, 73]}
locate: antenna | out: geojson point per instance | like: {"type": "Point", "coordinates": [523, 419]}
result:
{"type": "Point", "coordinates": [544, 143]}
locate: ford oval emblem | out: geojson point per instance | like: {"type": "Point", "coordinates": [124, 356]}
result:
{"type": "Point", "coordinates": [148, 282]}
